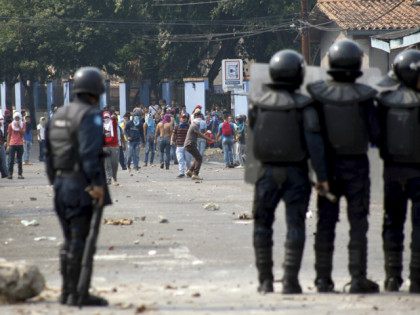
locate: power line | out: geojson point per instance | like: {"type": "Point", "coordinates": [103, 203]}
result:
{"type": "Point", "coordinates": [186, 4]}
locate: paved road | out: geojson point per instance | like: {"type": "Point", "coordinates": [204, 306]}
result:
{"type": "Point", "coordinates": [200, 262]}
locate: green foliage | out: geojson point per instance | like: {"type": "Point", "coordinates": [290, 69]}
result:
{"type": "Point", "coordinates": [42, 39]}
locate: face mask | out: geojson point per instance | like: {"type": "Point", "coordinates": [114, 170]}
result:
{"type": "Point", "coordinates": [106, 120]}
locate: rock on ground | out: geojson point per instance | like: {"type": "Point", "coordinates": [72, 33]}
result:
{"type": "Point", "coordinates": [19, 282]}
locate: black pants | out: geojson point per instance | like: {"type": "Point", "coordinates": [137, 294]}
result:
{"type": "Point", "coordinates": [290, 184]}
{"type": "Point", "coordinates": [15, 151]}
{"type": "Point", "coordinates": [74, 210]}
{"type": "Point", "coordinates": [350, 179]}
{"type": "Point", "coordinates": [397, 193]}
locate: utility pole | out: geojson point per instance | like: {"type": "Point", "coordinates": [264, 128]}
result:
{"type": "Point", "coordinates": [305, 30]}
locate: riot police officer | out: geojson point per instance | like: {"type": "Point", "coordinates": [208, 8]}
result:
{"type": "Point", "coordinates": [400, 124]}
{"type": "Point", "coordinates": [349, 121]}
{"type": "Point", "coordinates": [74, 152]}
{"type": "Point", "coordinates": [286, 132]}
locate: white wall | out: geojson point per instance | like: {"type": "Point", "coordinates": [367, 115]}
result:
{"type": "Point", "coordinates": [195, 94]}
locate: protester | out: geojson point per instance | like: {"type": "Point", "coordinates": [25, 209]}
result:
{"type": "Point", "coordinates": [201, 142]}
{"type": "Point", "coordinates": [135, 137]}
{"type": "Point", "coordinates": [123, 142]}
{"type": "Point", "coordinates": [239, 146]}
{"type": "Point", "coordinates": [40, 134]}
{"type": "Point", "coordinates": [111, 147]}
{"type": "Point", "coordinates": [226, 132]}
{"type": "Point", "coordinates": [164, 132]}
{"type": "Point", "coordinates": [15, 132]}
{"type": "Point", "coordinates": [149, 129]}
{"type": "Point", "coordinates": [190, 146]}
{"type": "Point", "coordinates": [27, 140]}
{"type": "Point", "coordinates": [3, 165]}
{"type": "Point", "coordinates": [178, 138]}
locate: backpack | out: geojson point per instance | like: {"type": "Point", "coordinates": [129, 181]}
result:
{"type": "Point", "coordinates": [226, 129]}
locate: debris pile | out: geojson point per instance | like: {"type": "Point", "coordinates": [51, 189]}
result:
{"type": "Point", "coordinates": [118, 221]}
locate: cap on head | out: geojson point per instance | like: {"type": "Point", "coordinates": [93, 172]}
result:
{"type": "Point", "coordinates": [89, 80]}
{"type": "Point", "coordinates": [407, 68]}
{"type": "Point", "coordinates": [287, 67]}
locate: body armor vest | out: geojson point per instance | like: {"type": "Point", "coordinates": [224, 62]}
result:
{"type": "Point", "coordinates": [278, 128]}
{"type": "Point", "coordinates": [344, 116]}
{"type": "Point", "coordinates": [63, 136]}
{"type": "Point", "coordinates": [401, 125]}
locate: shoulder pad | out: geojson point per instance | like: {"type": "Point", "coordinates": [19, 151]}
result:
{"type": "Point", "coordinates": [279, 99]}
{"type": "Point", "coordinates": [339, 92]}
{"type": "Point", "coordinates": [402, 97]}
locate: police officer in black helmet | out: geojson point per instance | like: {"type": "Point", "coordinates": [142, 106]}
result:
{"type": "Point", "coordinates": [400, 149]}
{"type": "Point", "coordinates": [74, 150]}
{"type": "Point", "coordinates": [286, 132]}
{"type": "Point", "coordinates": [349, 122]}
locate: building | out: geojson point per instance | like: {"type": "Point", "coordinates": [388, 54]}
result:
{"type": "Point", "coordinates": [382, 28]}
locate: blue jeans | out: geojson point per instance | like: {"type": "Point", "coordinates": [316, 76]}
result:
{"type": "Point", "coordinates": [15, 150]}
{"type": "Point", "coordinates": [201, 146]}
{"type": "Point", "coordinates": [26, 151]}
{"type": "Point", "coordinates": [150, 148]}
{"type": "Point", "coordinates": [165, 151]}
{"type": "Point", "coordinates": [3, 164]}
{"type": "Point", "coordinates": [133, 153]}
{"type": "Point", "coordinates": [227, 152]}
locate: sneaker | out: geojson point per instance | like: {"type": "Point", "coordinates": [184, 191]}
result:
{"type": "Point", "coordinates": [21, 177]}
{"type": "Point", "coordinates": [181, 176]}
{"type": "Point", "coordinates": [10, 177]}
{"type": "Point", "coordinates": [196, 177]}
{"type": "Point", "coordinates": [162, 165]}
{"type": "Point", "coordinates": [145, 164]}
{"type": "Point", "coordinates": [189, 173]}
{"type": "Point", "coordinates": [115, 183]}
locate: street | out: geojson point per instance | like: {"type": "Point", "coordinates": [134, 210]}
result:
{"type": "Point", "coordinates": [175, 257]}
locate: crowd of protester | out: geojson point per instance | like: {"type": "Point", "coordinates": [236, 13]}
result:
{"type": "Point", "coordinates": [168, 135]}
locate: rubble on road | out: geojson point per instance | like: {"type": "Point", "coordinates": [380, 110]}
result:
{"type": "Point", "coordinates": [245, 216]}
{"type": "Point", "coordinates": [19, 282]}
{"type": "Point", "coordinates": [211, 206]}
{"type": "Point", "coordinates": [162, 219]}
{"type": "Point", "coordinates": [45, 238]}
{"type": "Point", "coordinates": [29, 223]}
{"type": "Point", "coordinates": [122, 221]}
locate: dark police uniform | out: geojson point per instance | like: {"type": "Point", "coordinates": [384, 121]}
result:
{"type": "Point", "coordinates": [74, 151]}
{"type": "Point", "coordinates": [286, 131]}
{"type": "Point", "coordinates": [348, 120]}
{"type": "Point", "coordinates": [400, 149]}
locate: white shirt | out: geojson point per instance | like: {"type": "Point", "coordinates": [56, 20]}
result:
{"type": "Point", "coordinates": [41, 130]}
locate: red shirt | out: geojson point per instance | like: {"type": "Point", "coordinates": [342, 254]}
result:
{"type": "Point", "coordinates": [16, 137]}
{"type": "Point", "coordinates": [111, 141]}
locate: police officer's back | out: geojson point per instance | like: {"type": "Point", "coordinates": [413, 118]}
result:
{"type": "Point", "coordinates": [348, 121]}
{"type": "Point", "coordinates": [74, 151]}
{"type": "Point", "coordinates": [285, 131]}
{"type": "Point", "coordinates": [400, 149]}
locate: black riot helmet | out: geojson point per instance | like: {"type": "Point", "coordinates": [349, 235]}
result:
{"type": "Point", "coordinates": [407, 68]}
{"type": "Point", "coordinates": [345, 60]}
{"type": "Point", "coordinates": [287, 69]}
{"type": "Point", "coordinates": [89, 80]}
